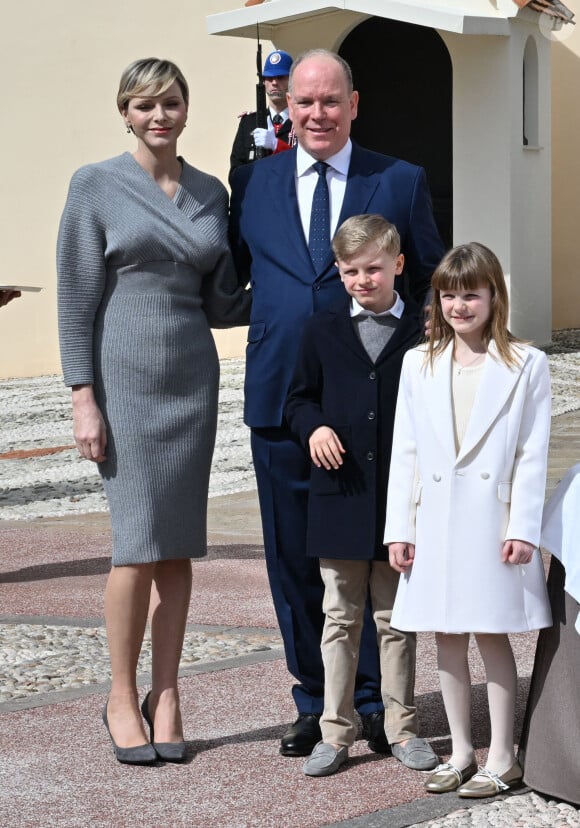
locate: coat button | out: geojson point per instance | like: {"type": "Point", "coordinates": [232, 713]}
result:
{"type": "Point", "coordinates": [370, 455]}
{"type": "Point", "coordinates": [373, 375]}
{"type": "Point", "coordinates": [371, 415]}
{"type": "Point", "coordinates": [437, 478]}
{"type": "Point", "coordinates": [316, 287]}
{"type": "Point", "coordinates": [484, 475]}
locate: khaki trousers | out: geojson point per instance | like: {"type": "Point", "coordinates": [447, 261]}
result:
{"type": "Point", "coordinates": [346, 586]}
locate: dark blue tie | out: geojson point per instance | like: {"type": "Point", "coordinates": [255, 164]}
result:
{"type": "Point", "coordinates": [319, 236]}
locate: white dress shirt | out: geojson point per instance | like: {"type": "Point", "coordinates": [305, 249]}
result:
{"type": "Point", "coordinates": [284, 114]}
{"type": "Point", "coordinates": [307, 177]}
{"type": "Point", "coordinates": [396, 310]}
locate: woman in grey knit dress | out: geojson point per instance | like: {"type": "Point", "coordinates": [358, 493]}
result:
{"type": "Point", "coordinates": [144, 269]}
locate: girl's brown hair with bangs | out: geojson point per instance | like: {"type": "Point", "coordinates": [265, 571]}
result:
{"type": "Point", "coordinates": [467, 267]}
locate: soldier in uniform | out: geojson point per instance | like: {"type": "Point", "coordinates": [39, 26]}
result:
{"type": "Point", "coordinates": [279, 135]}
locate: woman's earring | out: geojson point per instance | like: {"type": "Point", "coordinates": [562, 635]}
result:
{"type": "Point", "coordinates": [129, 129]}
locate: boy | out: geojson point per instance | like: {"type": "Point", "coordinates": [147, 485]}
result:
{"type": "Point", "coordinates": [341, 405]}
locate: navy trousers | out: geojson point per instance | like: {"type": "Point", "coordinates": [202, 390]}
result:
{"type": "Point", "coordinates": [282, 472]}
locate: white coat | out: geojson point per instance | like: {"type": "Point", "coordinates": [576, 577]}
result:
{"type": "Point", "coordinates": [459, 508]}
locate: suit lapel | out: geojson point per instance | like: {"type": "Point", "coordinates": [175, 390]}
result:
{"type": "Point", "coordinates": [280, 185]}
{"type": "Point", "coordinates": [361, 185]}
{"type": "Point", "coordinates": [497, 383]}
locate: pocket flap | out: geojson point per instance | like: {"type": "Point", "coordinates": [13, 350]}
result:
{"type": "Point", "coordinates": [256, 331]}
{"type": "Point", "coordinates": [418, 490]}
{"type": "Point", "coordinates": [504, 492]}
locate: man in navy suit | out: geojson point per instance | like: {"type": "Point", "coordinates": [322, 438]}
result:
{"type": "Point", "coordinates": [270, 224]}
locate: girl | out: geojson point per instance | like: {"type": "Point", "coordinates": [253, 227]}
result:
{"type": "Point", "coordinates": [464, 505]}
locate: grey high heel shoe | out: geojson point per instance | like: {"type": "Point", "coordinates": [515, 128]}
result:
{"type": "Point", "coordinates": [168, 751]}
{"type": "Point", "coordinates": [139, 755]}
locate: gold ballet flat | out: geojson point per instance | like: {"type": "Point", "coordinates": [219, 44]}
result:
{"type": "Point", "coordinates": [447, 777]}
{"type": "Point", "coordinates": [487, 783]}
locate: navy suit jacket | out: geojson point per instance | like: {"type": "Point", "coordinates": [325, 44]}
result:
{"type": "Point", "coordinates": [272, 254]}
{"type": "Point", "coordinates": [335, 383]}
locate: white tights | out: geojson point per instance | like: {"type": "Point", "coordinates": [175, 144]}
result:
{"type": "Point", "coordinates": [501, 677]}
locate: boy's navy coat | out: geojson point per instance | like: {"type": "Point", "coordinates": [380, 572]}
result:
{"type": "Point", "coordinates": [336, 384]}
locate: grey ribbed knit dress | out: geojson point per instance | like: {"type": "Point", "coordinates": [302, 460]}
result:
{"type": "Point", "coordinates": [140, 279]}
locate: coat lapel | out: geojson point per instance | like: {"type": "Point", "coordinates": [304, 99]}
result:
{"type": "Point", "coordinates": [345, 331]}
{"type": "Point", "coordinates": [438, 403]}
{"type": "Point", "coordinates": [407, 333]}
{"type": "Point", "coordinates": [497, 383]}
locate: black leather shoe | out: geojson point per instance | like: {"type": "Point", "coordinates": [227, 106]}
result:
{"type": "Point", "coordinates": [303, 736]}
{"type": "Point", "coordinates": [373, 729]}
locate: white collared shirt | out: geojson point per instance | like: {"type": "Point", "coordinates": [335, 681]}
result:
{"type": "Point", "coordinates": [285, 114]}
{"type": "Point", "coordinates": [306, 178]}
{"type": "Point", "coordinates": [397, 310]}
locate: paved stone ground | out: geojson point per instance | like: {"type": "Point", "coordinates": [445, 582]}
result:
{"type": "Point", "coordinates": [43, 659]}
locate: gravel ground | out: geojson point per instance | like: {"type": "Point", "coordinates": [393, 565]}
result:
{"type": "Point", "coordinates": [35, 419]}
{"type": "Point", "coordinates": [526, 811]}
{"type": "Point", "coordinates": [45, 658]}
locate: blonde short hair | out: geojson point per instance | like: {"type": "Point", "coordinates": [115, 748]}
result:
{"type": "Point", "coordinates": [359, 231]}
{"type": "Point", "coordinates": [149, 76]}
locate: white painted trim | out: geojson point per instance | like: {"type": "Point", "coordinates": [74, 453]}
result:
{"type": "Point", "coordinates": [476, 18]}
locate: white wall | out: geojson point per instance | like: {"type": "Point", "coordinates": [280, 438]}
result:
{"type": "Point", "coordinates": [61, 66]}
{"type": "Point", "coordinates": [501, 191]}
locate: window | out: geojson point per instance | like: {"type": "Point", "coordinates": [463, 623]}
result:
{"type": "Point", "coordinates": [530, 95]}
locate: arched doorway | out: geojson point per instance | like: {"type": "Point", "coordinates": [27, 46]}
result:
{"type": "Point", "coordinates": [404, 76]}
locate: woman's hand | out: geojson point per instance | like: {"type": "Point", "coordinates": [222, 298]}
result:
{"type": "Point", "coordinates": [401, 556]}
{"type": "Point", "coordinates": [89, 428]}
{"type": "Point", "coordinates": [325, 448]}
{"type": "Point", "coordinates": [517, 552]}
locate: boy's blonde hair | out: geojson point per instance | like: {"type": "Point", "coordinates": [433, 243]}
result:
{"type": "Point", "coordinates": [468, 267]}
{"type": "Point", "coordinates": [359, 231]}
{"type": "Point", "coordinates": [149, 76]}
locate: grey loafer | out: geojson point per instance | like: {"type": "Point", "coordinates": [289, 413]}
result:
{"type": "Point", "coordinates": [416, 754]}
{"type": "Point", "coordinates": [324, 760]}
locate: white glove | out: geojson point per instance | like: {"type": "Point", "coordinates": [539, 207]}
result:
{"type": "Point", "coordinates": [265, 137]}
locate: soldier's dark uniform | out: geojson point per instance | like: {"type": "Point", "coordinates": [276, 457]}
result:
{"type": "Point", "coordinates": [277, 64]}
{"type": "Point", "coordinates": [243, 148]}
